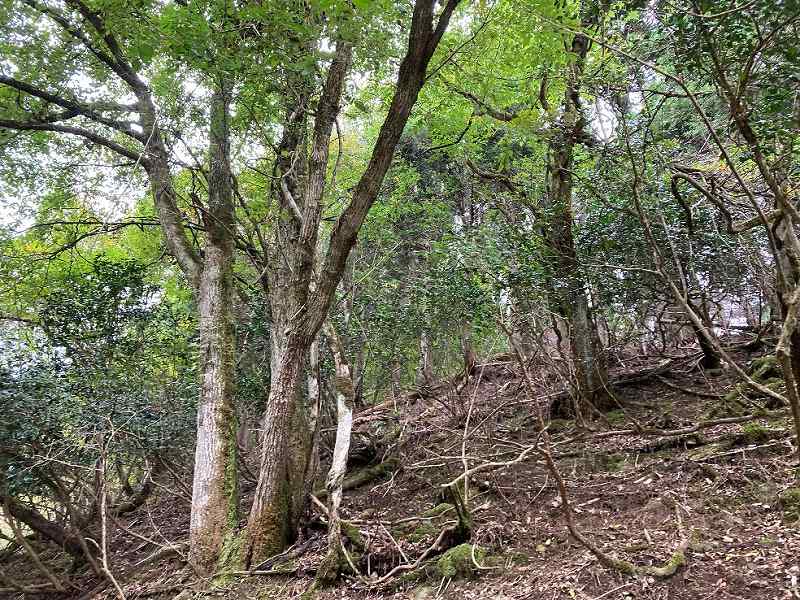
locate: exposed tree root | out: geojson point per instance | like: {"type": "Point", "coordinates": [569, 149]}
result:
{"type": "Point", "coordinates": [668, 569]}
{"type": "Point", "coordinates": [288, 554]}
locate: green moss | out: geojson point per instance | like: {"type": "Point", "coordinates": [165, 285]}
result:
{"type": "Point", "coordinates": [611, 462]}
{"type": "Point", "coordinates": [768, 541]}
{"type": "Point", "coordinates": [623, 566]}
{"type": "Point", "coordinates": [455, 495]}
{"type": "Point", "coordinates": [755, 432]}
{"type": "Point", "coordinates": [232, 483]}
{"type": "Point", "coordinates": [272, 532]}
{"type": "Point", "coordinates": [230, 556]}
{"type": "Point", "coordinates": [230, 559]}
{"type": "Point", "coordinates": [789, 501]}
{"type": "Point", "coordinates": [559, 425]}
{"type": "Point", "coordinates": [677, 560]}
{"type": "Point", "coordinates": [518, 558]}
{"type": "Point", "coordinates": [774, 383]}
{"type": "Point", "coordinates": [457, 562]}
{"type": "Point", "coordinates": [765, 367]}
{"type": "Point", "coordinates": [616, 417]}
{"type": "Point", "coordinates": [353, 534]}
{"type": "Point", "coordinates": [438, 510]}
{"type": "Point", "coordinates": [732, 400]}
{"type": "Point", "coordinates": [422, 532]}
{"type": "Point", "coordinates": [416, 530]}
{"type": "Point", "coordinates": [335, 562]}
{"type": "Point", "coordinates": [764, 370]}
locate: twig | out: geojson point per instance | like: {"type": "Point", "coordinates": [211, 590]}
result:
{"type": "Point", "coordinates": [408, 567]}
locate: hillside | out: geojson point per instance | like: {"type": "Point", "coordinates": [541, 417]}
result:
{"type": "Point", "coordinates": [723, 492]}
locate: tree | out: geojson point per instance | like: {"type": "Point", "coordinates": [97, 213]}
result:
{"type": "Point", "coordinates": [114, 50]}
{"type": "Point", "coordinates": [266, 533]}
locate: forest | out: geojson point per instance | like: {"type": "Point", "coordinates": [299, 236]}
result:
{"type": "Point", "coordinates": [411, 299]}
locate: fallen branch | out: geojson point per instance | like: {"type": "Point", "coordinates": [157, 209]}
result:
{"type": "Point", "coordinates": [37, 588]}
{"type": "Point", "coordinates": [290, 553]}
{"type": "Point", "coordinates": [363, 476]}
{"type": "Point", "coordinates": [437, 546]}
{"type": "Point", "coordinates": [653, 431]}
{"type": "Point", "coordinates": [9, 518]}
{"type": "Point", "coordinates": [689, 391]}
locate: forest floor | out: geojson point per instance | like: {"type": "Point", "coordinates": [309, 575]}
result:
{"type": "Point", "coordinates": [637, 497]}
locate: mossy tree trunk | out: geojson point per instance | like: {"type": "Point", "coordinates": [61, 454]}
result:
{"type": "Point", "coordinates": [215, 498]}
{"type": "Point", "coordinates": [271, 520]}
{"type": "Point", "coordinates": [209, 274]}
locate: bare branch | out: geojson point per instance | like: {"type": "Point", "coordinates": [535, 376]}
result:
{"type": "Point", "coordinates": [93, 137]}
{"type": "Point", "coordinates": [73, 107]}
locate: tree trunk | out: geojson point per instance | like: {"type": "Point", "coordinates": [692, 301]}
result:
{"type": "Point", "coordinates": [42, 526]}
{"type": "Point", "coordinates": [590, 366]}
{"type": "Point", "coordinates": [313, 382]}
{"type": "Point", "coordinates": [711, 358]}
{"type": "Point", "coordinates": [270, 525]}
{"type": "Point", "coordinates": [215, 499]}
{"type": "Point", "coordinates": [345, 398]}
{"type": "Point", "coordinates": [315, 281]}
{"type": "Point", "coordinates": [425, 364]}
{"type": "Point", "coordinates": [467, 350]}
{"type": "Point", "coordinates": [568, 288]}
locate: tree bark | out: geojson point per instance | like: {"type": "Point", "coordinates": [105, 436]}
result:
{"type": "Point", "coordinates": [210, 276]}
{"type": "Point", "coordinates": [345, 399]}
{"type": "Point", "coordinates": [267, 528]}
{"type": "Point", "coordinates": [47, 529]}
{"type": "Point", "coordinates": [215, 499]}
{"type": "Point", "coordinates": [568, 288]}
{"type": "Point", "coordinates": [425, 364]}
{"type": "Point", "coordinates": [313, 382]}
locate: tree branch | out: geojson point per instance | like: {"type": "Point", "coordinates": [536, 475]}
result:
{"type": "Point", "coordinates": [73, 108]}
{"type": "Point", "coordinates": [422, 43]}
{"type": "Point", "coordinates": [79, 131]}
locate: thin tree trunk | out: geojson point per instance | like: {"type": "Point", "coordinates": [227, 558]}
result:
{"type": "Point", "coordinates": [424, 366]}
{"type": "Point", "coordinates": [590, 366]}
{"type": "Point", "coordinates": [345, 398]}
{"type": "Point", "coordinates": [313, 382]}
{"type": "Point", "coordinates": [467, 350]}
{"type": "Point", "coordinates": [569, 286]}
